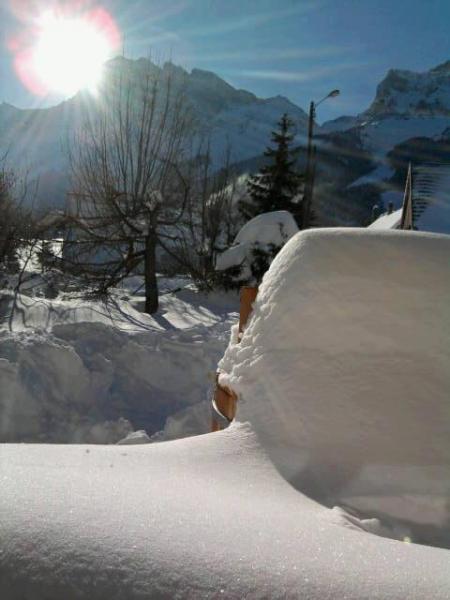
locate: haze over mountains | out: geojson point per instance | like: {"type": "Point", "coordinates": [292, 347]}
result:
{"type": "Point", "coordinates": [407, 106]}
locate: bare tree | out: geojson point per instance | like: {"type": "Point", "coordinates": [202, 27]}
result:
{"type": "Point", "coordinates": [211, 219]}
{"type": "Point", "coordinates": [16, 220]}
{"type": "Point", "coordinates": [129, 174]}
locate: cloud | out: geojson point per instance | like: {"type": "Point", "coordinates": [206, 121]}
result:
{"type": "Point", "coordinates": [301, 76]}
{"type": "Point", "coordinates": [275, 54]}
{"type": "Point", "coordinates": [252, 21]}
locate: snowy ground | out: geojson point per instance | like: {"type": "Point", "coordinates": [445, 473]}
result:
{"type": "Point", "coordinates": [201, 518]}
{"type": "Point", "coordinates": [342, 432]}
{"type": "Point", "coordinates": [77, 370]}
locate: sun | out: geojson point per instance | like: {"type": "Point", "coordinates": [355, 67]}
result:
{"type": "Point", "coordinates": [69, 54]}
{"type": "Point", "coordinates": [63, 49]}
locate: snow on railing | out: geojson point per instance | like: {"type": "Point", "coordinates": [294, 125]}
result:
{"type": "Point", "coordinates": [224, 399]}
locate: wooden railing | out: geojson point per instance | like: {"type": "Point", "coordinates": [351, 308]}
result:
{"type": "Point", "coordinates": [225, 399]}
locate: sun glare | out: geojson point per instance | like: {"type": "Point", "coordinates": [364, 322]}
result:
{"type": "Point", "coordinates": [61, 52]}
{"type": "Point", "coordinates": [70, 54]}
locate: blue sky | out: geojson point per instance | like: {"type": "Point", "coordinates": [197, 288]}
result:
{"type": "Point", "coordinates": [297, 48]}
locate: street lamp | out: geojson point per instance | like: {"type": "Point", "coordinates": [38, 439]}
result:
{"type": "Point", "coordinates": [310, 166]}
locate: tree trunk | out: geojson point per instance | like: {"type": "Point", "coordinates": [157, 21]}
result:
{"type": "Point", "coordinates": [151, 284]}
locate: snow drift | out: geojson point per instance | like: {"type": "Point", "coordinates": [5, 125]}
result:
{"type": "Point", "coordinates": [84, 371]}
{"type": "Point", "coordinates": [344, 373]}
{"type": "Point", "coordinates": [205, 517]}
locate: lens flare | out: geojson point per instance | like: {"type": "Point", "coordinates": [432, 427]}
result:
{"type": "Point", "coordinates": [63, 51]}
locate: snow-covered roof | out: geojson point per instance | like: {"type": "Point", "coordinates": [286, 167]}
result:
{"type": "Point", "coordinates": [388, 221]}
{"type": "Point", "coordinates": [431, 201]}
{"type": "Point", "coordinates": [431, 198]}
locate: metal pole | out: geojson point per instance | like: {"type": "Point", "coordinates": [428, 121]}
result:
{"type": "Point", "coordinates": [309, 171]}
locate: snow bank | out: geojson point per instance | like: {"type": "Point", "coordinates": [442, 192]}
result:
{"type": "Point", "coordinates": [344, 373]}
{"type": "Point", "coordinates": [205, 517]}
{"type": "Point", "coordinates": [81, 371]}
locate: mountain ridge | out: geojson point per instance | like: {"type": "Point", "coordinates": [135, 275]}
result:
{"type": "Point", "coordinates": [235, 119]}
{"type": "Point", "coordinates": [406, 105]}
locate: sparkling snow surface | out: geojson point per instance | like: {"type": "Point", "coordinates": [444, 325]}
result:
{"type": "Point", "coordinates": [205, 517]}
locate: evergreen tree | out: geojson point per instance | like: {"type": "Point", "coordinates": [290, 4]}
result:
{"type": "Point", "coordinates": [278, 183]}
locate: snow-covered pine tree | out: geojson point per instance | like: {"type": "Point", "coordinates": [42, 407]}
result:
{"type": "Point", "coordinates": [277, 185]}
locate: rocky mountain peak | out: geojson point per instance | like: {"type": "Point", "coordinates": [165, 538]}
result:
{"type": "Point", "coordinates": [407, 93]}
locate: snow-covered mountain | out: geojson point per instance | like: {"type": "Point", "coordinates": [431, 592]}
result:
{"type": "Point", "coordinates": [235, 119]}
{"type": "Point", "coordinates": [406, 105]}
{"type": "Point", "coordinates": [353, 151]}
{"type": "Point", "coordinates": [414, 94]}
{"type": "Point", "coordinates": [408, 121]}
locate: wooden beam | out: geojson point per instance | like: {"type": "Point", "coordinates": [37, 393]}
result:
{"type": "Point", "coordinates": [224, 398]}
{"type": "Point", "coordinates": [247, 298]}
{"type": "Point", "coordinates": [407, 220]}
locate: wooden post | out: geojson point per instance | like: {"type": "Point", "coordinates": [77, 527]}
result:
{"type": "Point", "coordinates": [224, 398]}
{"type": "Point", "coordinates": [247, 297]}
{"type": "Point", "coordinates": [407, 221]}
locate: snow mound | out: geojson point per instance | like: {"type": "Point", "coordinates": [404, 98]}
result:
{"type": "Point", "coordinates": [205, 517]}
{"type": "Point", "coordinates": [82, 371]}
{"type": "Point", "coordinates": [268, 228]}
{"type": "Point", "coordinates": [135, 437]}
{"type": "Point", "coordinates": [265, 230]}
{"type": "Point", "coordinates": [343, 374]}
{"type": "Point", "coordinates": [343, 371]}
